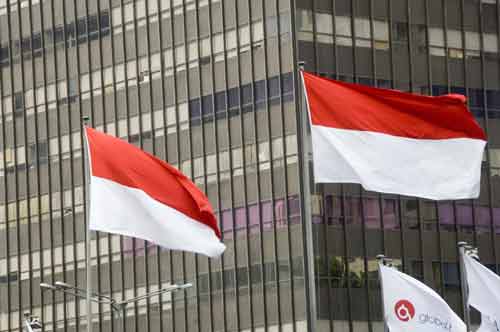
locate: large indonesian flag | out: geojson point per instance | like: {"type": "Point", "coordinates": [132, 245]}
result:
{"type": "Point", "coordinates": [394, 142]}
{"type": "Point", "coordinates": [133, 193]}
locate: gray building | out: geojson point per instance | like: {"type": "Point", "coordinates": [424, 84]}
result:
{"type": "Point", "coordinates": [211, 87]}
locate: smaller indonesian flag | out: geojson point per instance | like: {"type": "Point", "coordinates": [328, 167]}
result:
{"type": "Point", "coordinates": [133, 193]}
{"type": "Point", "coordinates": [394, 142]}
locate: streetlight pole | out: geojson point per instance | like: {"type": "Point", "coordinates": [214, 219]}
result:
{"type": "Point", "coordinates": [118, 306]}
{"type": "Point", "coordinates": [31, 322]}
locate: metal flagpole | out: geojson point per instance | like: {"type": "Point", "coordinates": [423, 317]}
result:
{"type": "Point", "coordinates": [306, 195]}
{"type": "Point", "coordinates": [463, 282]}
{"type": "Point", "coordinates": [381, 260]}
{"type": "Point", "coordinates": [86, 180]}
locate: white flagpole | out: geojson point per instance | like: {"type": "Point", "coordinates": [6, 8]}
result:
{"type": "Point", "coordinates": [463, 282]}
{"type": "Point", "coordinates": [306, 196]}
{"type": "Point", "coordinates": [86, 180]}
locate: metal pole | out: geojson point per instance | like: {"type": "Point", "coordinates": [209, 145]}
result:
{"type": "Point", "coordinates": [463, 283]}
{"type": "Point", "coordinates": [28, 324]}
{"type": "Point", "coordinates": [306, 195]}
{"type": "Point", "coordinates": [86, 179]}
{"type": "Point", "coordinates": [381, 260]}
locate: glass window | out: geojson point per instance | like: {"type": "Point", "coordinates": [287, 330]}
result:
{"type": "Point", "coordinates": [305, 22]}
{"type": "Point", "coordinates": [128, 12]}
{"type": "Point", "coordinates": [231, 39]}
{"type": "Point", "coordinates": [472, 41]}
{"type": "Point", "coordinates": [362, 28]}
{"type": "Point", "coordinates": [454, 38]}
{"type": "Point", "coordinates": [207, 105]}
{"type": "Point", "coordinates": [324, 23]}
{"type": "Point", "coordinates": [140, 9]}
{"type": "Point", "coordinates": [218, 43]}
{"type": "Point", "coordinates": [180, 55]}
{"type": "Point", "coordinates": [62, 89]}
{"type": "Point", "coordinates": [18, 101]}
{"type": "Point", "coordinates": [40, 95]}
{"type": "Point", "coordinates": [246, 94]}
{"type": "Point", "coordinates": [108, 76]}
{"type": "Point", "coordinates": [81, 28]}
{"type": "Point", "coordinates": [343, 25]}
{"type": "Point", "coordinates": [244, 35]}
{"type": "Point", "coordinates": [381, 30]}
{"type": "Point", "coordinates": [119, 73]}
{"type": "Point", "coordinates": [131, 70]}
{"type": "Point", "coordinates": [104, 21]}
{"type": "Point", "coordinates": [257, 31]}
{"type": "Point", "coordinates": [85, 82]}
{"type": "Point", "coordinates": [220, 101]}
{"type": "Point", "coordinates": [233, 97]}
{"type": "Point", "coordinates": [152, 7]}
{"type": "Point", "coordinates": [93, 25]}
{"type": "Point", "coordinates": [96, 80]}
{"type": "Point", "coordinates": [117, 16]}
{"type": "Point", "coordinates": [205, 48]}
{"type": "Point", "coordinates": [168, 58]}
{"type": "Point", "coordinates": [490, 42]}
{"type": "Point", "coordinates": [400, 31]}
{"type": "Point", "coordinates": [436, 37]}
{"type": "Point", "coordinates": [271, 26]}
{"type": "Point", "coordinates": [51, 92]}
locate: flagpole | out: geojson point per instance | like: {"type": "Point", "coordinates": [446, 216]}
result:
{"type": "Point", "coordinates": [463, 282]}
{"type": "Point", "coordinates": [86, 179]}
{"type": "Point", "coordinates": [306, 204]}
{"type": "Point", "coordinates": [381, 260]}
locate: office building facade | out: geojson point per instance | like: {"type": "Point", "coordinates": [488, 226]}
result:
{"type": "Point", "coordinates": [211, 86]}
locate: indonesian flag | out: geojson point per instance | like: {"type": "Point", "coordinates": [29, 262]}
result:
{"type": "Point", "coordinates": [133, 193]}
{"type": "Point", "coordinates": [394, 142]}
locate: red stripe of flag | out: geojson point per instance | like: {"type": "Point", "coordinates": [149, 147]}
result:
{"type": "Point", "coordinates": [351, 106]}
{"type": "Point", "coordinates": [118, 161]}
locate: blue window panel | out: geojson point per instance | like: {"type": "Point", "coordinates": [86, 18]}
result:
{"type": "Point", "coordinates": [233, 97]}
{"type": "Point", "coordinates": [4, 54]}
{"type": "Point", "coordinates": [246, 94]}
{"type": "Point", "coordinates": [287, 83]}
{"type": "Point", "coordinates": [365, 81]}
{"type": "Point", "coordinates": [451, 274]}
{"type": "Point", "coordinates": [493, 98]}
{"type": "Point", "coordinates": [273, 85]}
{"type": "Point", "coordinates": [260, 91]}
{"type": "Point", "coordinates": [194, 108]}
{"type": "Point", "coordinates": [59, 34]}
{"type": "Point", "coordinates": [207, 105]}
{"type": "Point", "coordinates": [438, 90]}
{"type": "Point", "coordinates": [220, 101]}
{"type": "Point", "coordinates": [476, 97]}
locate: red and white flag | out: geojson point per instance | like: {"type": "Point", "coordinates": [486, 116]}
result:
{"type": "Point", "coordinates": [135, 194]}
{"type": "Point", "coordinates": [394, 142]}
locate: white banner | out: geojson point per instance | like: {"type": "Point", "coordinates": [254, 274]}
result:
{"type": "Point", "coordinates": [484, 292]}
{"type": "Point", "coordinates": [488, 325]}
{"type": "Point", "coordinates": [412, 306]}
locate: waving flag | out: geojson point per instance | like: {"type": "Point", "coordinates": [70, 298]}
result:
{"type": "Point", "coordinates": [483, 292]}
{"type": "Point", "coordinates": [394, 142]}
{"type": "Point", "coordinates": [410, 305]}
{"type": "Point", "coordinates": [133, 193]}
